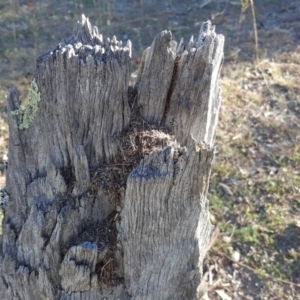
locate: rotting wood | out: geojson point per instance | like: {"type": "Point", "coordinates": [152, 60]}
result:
{"type": "Point", "coordinates": [107, 186]}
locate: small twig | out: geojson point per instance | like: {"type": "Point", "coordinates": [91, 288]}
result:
{"type": "Point", "coordinates": [213, 238]}
{"type": "Point", "coordinates": [221, 253]}
{"type": "Point", "coordinates": [103, 268]}
{"type": "Point", "coordinates": [254, 28]}
{"type": "Point", "coordinates": [233, 54]}
{"type": "Point", "coordinates": [115, 165]}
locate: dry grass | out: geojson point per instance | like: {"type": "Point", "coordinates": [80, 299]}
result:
{"type": "Point", "coordinates": [139, 140]}
{"type": "Point", "coordinates": [255, 191]}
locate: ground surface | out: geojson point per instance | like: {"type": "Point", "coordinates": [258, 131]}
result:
{"type": "Point", "coordinates": [255, 191]}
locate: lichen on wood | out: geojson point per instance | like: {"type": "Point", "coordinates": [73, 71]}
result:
{"type": "Point", "coordinates": [27, 114]}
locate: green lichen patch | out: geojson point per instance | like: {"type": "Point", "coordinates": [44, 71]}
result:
{"type": "Point", "coordinates": [27, 114]}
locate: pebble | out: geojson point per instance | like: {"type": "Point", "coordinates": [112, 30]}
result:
{"type": "Point", "coordinates": [236, 256]}
{"type": "Point", "coordinates": [226, 239]}
{"type": "Point", "coordinates": [235, 266]}
{"type": "Point", "coordinates": [212, 219]}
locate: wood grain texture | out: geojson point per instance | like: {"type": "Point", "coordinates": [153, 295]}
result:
{"type": "Point", "coordinates": [83, 221]}
{"type": "Point", "coordinates": [155, 77]}
{"type": "Point", "coordinates": [195, 96]}
{"type": "Point", "coordinates": [163, 200]}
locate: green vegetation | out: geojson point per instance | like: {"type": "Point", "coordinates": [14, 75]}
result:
{"type": "Point", "coordinates": [27, 114]}
{"type": "Point", "coordinates": [258, 163]}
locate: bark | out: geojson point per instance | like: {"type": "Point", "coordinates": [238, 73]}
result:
{"type": "Point", "coordinates": [107, 186]}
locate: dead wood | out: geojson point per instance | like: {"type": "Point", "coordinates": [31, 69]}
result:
{"type": "Point", "coordinates": [107, 184]}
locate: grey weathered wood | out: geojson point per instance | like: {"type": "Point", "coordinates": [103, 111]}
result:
{"type": "Point", "coordinates": [155, 77]}
{"type": "Point", "coordinates": [107, 187]}
{"type": "Point", "coordinates": [195, 98]}
{"type": "Point", "coordinates": [163, 200]}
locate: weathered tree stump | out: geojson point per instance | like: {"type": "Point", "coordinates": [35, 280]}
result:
{"type": "Point", "coordinates": [107, 183]}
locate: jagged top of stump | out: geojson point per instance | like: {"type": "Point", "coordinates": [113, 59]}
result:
{"type": "Point", "coordinates": [86, 42]}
